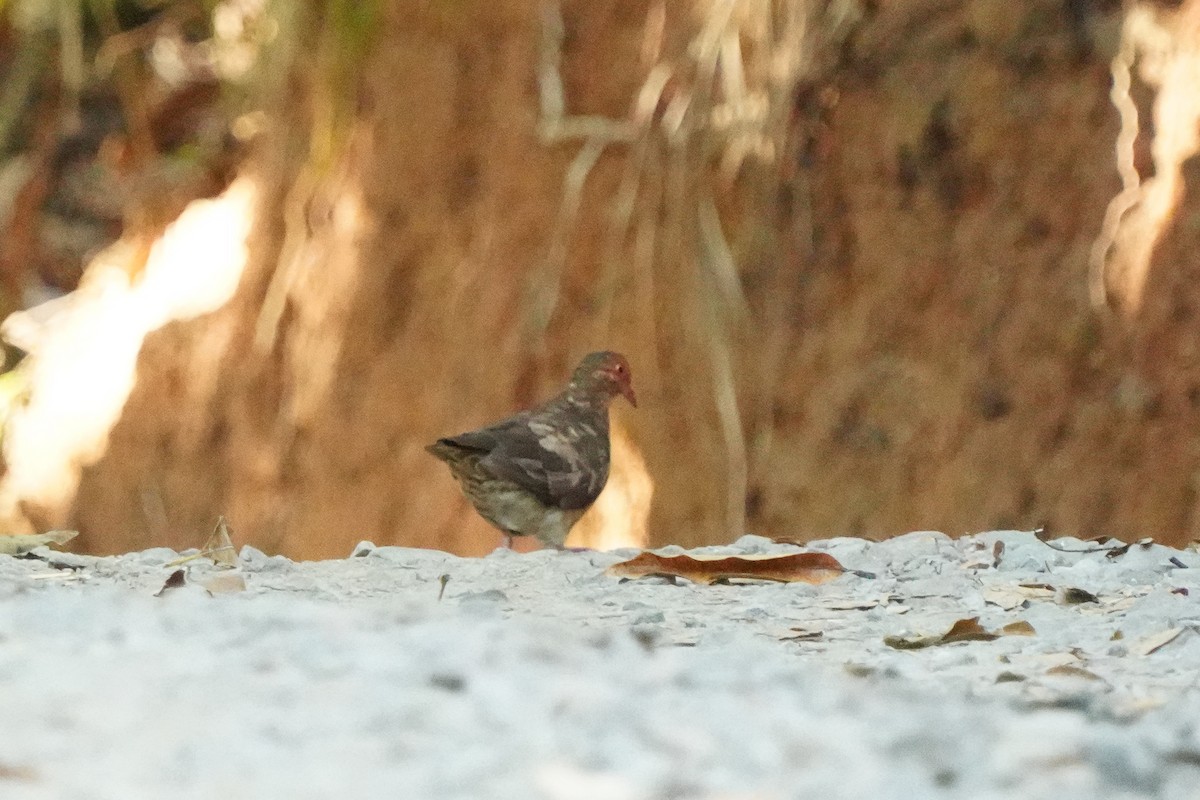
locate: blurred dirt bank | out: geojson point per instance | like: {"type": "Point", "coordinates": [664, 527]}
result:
{"type": "Point", "coordinates": [857, 253]}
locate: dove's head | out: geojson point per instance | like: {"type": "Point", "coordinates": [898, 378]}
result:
{"type": "Point", "coordinates": [605, 374]}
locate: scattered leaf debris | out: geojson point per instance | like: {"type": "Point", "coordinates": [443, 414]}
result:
{"type": "Point", "coordinates": [814, 568]}
{"type": "Point", "coordinates": [964, 630]}
{"type": "Point", "coordinates": [21, 543]}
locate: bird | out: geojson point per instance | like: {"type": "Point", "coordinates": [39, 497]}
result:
{"type": "Point", "coordinates": [537, 472]}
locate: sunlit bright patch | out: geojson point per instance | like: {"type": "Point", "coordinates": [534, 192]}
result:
{"type": "Point", "coordinates": [620, 515]}
{"type": "Point", "coordinates": [85, 345]}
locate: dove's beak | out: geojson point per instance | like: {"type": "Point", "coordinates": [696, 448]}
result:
{"type": "Point", "coordinates": [627, 390]}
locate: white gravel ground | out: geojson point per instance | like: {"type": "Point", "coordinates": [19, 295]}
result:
{"type": "Point", "coordinates": [538, 676]}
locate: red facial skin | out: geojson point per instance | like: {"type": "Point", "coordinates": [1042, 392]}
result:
{"type": "Point", "coordinates": [619, 375]}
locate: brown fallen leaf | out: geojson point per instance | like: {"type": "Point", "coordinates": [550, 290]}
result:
{"type": "Point", "coordinates": [21, 543]}
{"type": "Point", "coordinates": [964, 630]}
{"type": "Point", "coordinates": [1073, 596]}
{"type": "Point", "coordinates": [1018, 628]}
{"type": "Point", "coordinates": [176, 580]}
{"type": "Point", "coordinates": [812, 568]}
{"type": "Point", "coordinates": [968, 630]}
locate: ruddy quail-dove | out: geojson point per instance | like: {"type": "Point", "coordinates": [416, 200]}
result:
{"type": "Point", "coordinates": [537, 472]}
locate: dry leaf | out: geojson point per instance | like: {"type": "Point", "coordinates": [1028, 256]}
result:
{"type": "Point", "coordinates": [801, 635]}
{"type": "Point", "coordinates": [1018, 628]}
{"type": "Point", "coordinates": [965, 630]}
{"type": "Point", "coordinates": [22, 543]}
{"type": "Point", "coordinates": [1006, 597]}
{"type": "Point", "coordinates": [968, 630]}
{"type": "Point", "coordinates": [223, 583]}
{"type": "Point", "coordinates": [1123, 549]}
{"type": "Point", "coordinates": [1072, 671]}
{"type": "Point", "coordinates": [218, 547]}
{"type": "Point", "coordinates": [1113, 604]}
{"type": "Point", "coordinates": [850, 604]}
{"type": "Point", "coordinates": [1010, 597]}
{"type": "Point", "coordinates": [176, 580]}
{"type": "Point", "coordinates": [803, 567]}
{"type": "Point", "coordinates": [1073, 596]}
{"type": "Point", "coordinates": [1151, 643]}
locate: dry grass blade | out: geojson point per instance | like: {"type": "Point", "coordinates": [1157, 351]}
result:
{"type": "Point", "coordinates": [218, 547]}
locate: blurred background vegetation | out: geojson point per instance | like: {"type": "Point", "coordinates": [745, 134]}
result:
{"type": "Point", "coordinates": [878, 266]}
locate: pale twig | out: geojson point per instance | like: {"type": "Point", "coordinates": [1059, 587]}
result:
{"type": "Point", "coordinates": [549, 281]}
{"type": "Point", "coordinates": [1130, 193]}
{"type": "Point", "coordinates": [555, 126]}
{"type": "Point", "coordinates": [625, 201]}
{"type": "Point", "coordinates": [291, 259]}
{"type": "Point", "coordinates": [553, 123]}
